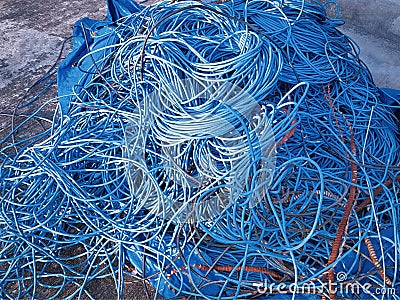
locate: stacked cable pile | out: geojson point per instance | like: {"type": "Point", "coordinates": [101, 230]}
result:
{"type": "Point", "coordinates": [215, 150]}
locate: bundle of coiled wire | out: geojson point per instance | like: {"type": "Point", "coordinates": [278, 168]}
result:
{"type": "Point", "coordinates": [212, 149]}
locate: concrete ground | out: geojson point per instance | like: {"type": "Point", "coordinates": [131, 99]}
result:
{"type": "Point", "coordinates": [375, 26]}
{"type": "Point", "coordinates": [31, 34]}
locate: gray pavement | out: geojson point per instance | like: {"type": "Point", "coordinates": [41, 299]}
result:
{"type": "Point", "coordinates": [375, 26]}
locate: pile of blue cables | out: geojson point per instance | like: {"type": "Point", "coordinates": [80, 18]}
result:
{"type": "Point", "coordinates": [236, 149]}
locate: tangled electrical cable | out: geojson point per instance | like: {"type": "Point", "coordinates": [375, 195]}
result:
{"type": "Point", "coordinates": [214, 149]}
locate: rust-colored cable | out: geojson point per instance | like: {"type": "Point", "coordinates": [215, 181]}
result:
{"type": "Point", "coordinates": [288, 135]}
{"type": "Point", "coordinates": [345, 218]}
{"type": "Point", "coordinates": [239, 268]}
{"type": "Point", "coordinates": [379, 190]}
{"type": "Point", "coordinates": [348, 207]}
{"type": "Point", "coordinates": [375, 261]}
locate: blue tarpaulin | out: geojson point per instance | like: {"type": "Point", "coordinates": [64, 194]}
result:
{"type": "Point", "coordinates": [92, 35]}
{"type": "Point", "coordinates": [72, 70]}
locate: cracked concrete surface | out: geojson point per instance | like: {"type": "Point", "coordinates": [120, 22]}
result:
{"type": "Point", "coordinates": [26, 54]}
{"type": "Point", "coordinates": [31, 34]}
{"type": "Point", "coordinates": [375, 26]}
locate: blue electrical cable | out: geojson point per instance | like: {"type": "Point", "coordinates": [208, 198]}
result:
{"type": "Point", "coordinates": [207, 146]}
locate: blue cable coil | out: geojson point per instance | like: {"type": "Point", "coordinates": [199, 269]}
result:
{"type": "Point", "coordinates": [212, 149]}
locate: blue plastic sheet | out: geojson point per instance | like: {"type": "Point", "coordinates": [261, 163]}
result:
{"type": "Point", "coordinates": [70, 73]}
{"type": "Point", "coordinates": [89, 35]}
{"type": "Point", "coordinates": [169, 247]}
{"type": "Point", "coordinates": [121, 8]}
{"type": "Point", "coordinates": [72, 69]}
